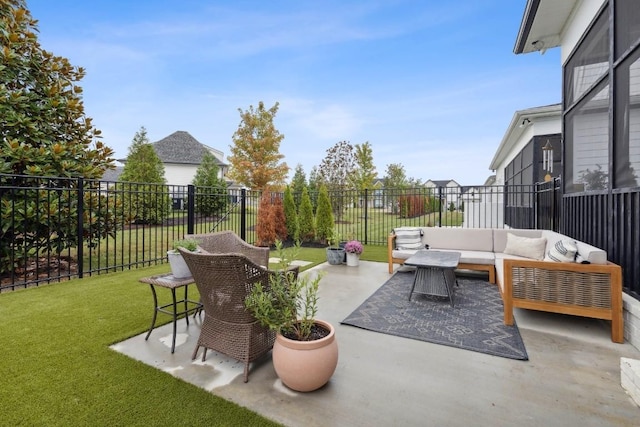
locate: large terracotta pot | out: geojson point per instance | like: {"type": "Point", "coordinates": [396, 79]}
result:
{"type": "Point", "coordinates": [306, 365]}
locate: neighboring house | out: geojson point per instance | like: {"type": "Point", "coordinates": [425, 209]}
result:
{"type": "Point", "coordinates": [450, 191]}
{"type": "Point", "coordinates": [181, 155]}
{"type": "Point", "coordinates": [483, 206]}
{"type": "Point", "coordinates": [518, 160]}
{"type": "Point", "coordinates": [599, 44]}
{"type": "Point", "coordinates": [112, 175]}
{"type": "Point", "coordinates": [109, 177]}
{"type": "Point", "coordinates": [377, 193]}
{"type": "Point", "coordinates": [518, 163]}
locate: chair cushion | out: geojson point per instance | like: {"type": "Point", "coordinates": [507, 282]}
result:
{"type": "Point", "coordinates": [528, 247]}
{"type": "Point", "coordinates": [408, 237]}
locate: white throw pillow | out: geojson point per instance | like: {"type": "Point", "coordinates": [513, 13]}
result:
{"type": "Point", "coordinates": [408, 237]}
{"type": "Point", "coordinates": [528, 247]}
{"type": "Point", "coordinates": [562, 251]}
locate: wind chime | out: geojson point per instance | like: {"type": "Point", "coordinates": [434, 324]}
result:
{"type": "Point", "coordinates": [547, 160]}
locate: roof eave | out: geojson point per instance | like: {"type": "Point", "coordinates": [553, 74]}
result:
{"type": "Point", "coordinates": [516, 129]}
{"type": "Point", "coordinates": [542, 25]}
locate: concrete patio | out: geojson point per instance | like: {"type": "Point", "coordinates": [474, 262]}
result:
{"type": "Point", "coordinates": [572, 376]}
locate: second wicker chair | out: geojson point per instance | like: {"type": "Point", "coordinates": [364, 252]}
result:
{"type": "Point", "coordinates": [224, 281]}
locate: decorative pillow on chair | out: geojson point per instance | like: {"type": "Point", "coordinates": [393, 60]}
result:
{"type": "Point", "coordinates": [563, 251]}
{"type": "Point", "coordinates": [408, 237]}
{"type": "Point", "coordinates": [528, 247]}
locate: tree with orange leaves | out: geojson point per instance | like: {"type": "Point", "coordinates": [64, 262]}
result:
{"type": "Point", "coordinates": [255, 157]}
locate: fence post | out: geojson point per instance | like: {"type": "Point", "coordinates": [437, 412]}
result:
{"type": "Point", "coordinates": [191, 208]}
{"type": "Point", "coordinates": [243, 214]}
{"type": "Point", "coordinates": [80, 227]}
{"type": "Point", "coordinates": [366, 215]}
{"type": "Point", "coordinates": [440, 206]}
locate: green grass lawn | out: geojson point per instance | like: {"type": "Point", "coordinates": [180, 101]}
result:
{"type": "Point", "coordinates": [58, 370]}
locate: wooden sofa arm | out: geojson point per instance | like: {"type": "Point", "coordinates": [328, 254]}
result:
{"type": "Point", "coordinates": [590, 290]}
{"type": "Point", "coordinates": [391, 244]}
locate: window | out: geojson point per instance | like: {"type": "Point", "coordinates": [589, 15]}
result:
{"type": "Point", "coordinates": [519, 173]}
{"type": "Point", "coordinates": [627, 24]}
{"type": "Point", "coordinates": [602, 104]}
{"type": "Point", "coordinates": [588, 63]}
{"type": "Point", "coordinates": [627, 123]}
{"type": "Point", "coordinates": [587, 127]}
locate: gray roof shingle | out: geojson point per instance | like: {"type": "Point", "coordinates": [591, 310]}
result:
{"type": "Point", "coordinates": [181, 147]}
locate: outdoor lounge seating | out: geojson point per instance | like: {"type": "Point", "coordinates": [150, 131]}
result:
{"type": "Point", "coordinates": [224, 281]}
{"type": "Point", "coordinates": [522, 262]}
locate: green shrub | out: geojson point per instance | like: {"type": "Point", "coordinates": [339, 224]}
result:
{"type": "Point", "coordinates": [324, 216]}
{"type": "Point", "coordinates": [290, 215]}
{"type": "Point", "coordinates": [305, 218]}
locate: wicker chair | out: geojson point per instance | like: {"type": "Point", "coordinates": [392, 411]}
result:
{"type": "Point", "coordinates": [228, 242]}
{"type": "Point", "coordinates": [224, 281]}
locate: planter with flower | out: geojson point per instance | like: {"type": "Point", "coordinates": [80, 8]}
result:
{"type": "Point", "coordinates": [353, 248]}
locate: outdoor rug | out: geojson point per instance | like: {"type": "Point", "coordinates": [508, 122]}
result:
{"type": "Point", "coordinates": [475, 323]}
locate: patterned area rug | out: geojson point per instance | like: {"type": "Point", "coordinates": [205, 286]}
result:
{"type": "Point", "coordinates": [475, 323]}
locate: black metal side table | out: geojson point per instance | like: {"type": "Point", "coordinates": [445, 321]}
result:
{"type": "Point", "coordinates": [169, 282]}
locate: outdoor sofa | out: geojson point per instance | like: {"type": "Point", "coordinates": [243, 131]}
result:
{"type": "Point", "coordinates": [534, 269]}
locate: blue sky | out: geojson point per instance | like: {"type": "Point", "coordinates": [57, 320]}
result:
{"type": "Point", "coordinates": [431, 85]}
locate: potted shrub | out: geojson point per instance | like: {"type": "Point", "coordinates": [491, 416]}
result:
{"type": "Point", "coordinates": [179, 267]}
{"type": "Point", "coordinates": [305, 353]}
{"type": "Point", "coordinates": [335, 251]}
{"type": "Point", "coordinates": [353, 248]}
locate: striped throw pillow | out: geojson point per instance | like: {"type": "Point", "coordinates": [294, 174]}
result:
{"type": "Point", "coordinates": [408, 237]}
{"type": "Point", "coordinates": [563, 251]}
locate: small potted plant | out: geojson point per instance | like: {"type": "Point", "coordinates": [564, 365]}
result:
{"type": "Point", "coordinates": [179, 268]}
{"type": "Point", "coordinates": [305, 353]}
{"type": "Point", "coordinates": [353, 248]}
{"type": "Point", "coordinates": [335, 253]}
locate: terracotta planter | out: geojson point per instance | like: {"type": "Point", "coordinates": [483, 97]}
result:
{"type": "Point", "coordinates": [353, 259]}
{"type": "Point", "coordinates": [306, 365]}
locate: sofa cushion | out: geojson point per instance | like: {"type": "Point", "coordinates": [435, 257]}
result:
{"type": "Point", "coordinates": [500, 236]}
{"type": "Point", "coordinates": [408, 238]}
{"type": "Point", "coordinates": [472, 239]}
{"type": "Point", "coordinates": [585, 252]}
{"type": "Point", "coordinates": [500, 257]}
{"type": "Point", "coordinates": [528, 247]}
{"type": "Point", "coordinates": [473, 257]}
{"type": "Point", "coordinates": [562, 251]}
{"type": "Point", "coordinates": [403, 253]}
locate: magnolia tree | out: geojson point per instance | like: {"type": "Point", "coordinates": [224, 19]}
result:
{"type": "Point", "coordinates": [44, 132]}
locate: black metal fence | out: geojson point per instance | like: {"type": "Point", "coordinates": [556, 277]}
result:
{"type": "Point", "coordinates": [52, 229]}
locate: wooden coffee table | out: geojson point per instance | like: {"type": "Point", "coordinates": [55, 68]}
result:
{"type": "Point", "coordinates": [434, 273]}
